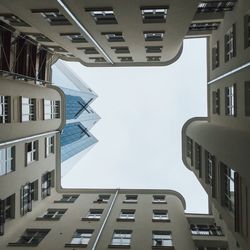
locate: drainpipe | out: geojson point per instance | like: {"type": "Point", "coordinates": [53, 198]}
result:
{"type": "Point", "coordinates": [105, 220]}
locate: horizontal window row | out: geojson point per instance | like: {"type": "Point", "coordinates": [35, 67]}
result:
{"type": "Point", "coordinates": [28, 109]}
{"type": "Point", "coordinates": [99, 59]}
{"type": "Point", "coordinates": [230, 100]}
{"type": "Point", "coordinates": [81, 238]}
{"type": "Point", "coordinates": [8, 154]}
{"type": "Point", "coordinates": [230, 43]}
{"type": "Point", "coordinates": [28, 193]}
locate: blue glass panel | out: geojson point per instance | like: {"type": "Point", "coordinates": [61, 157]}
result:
{"type": "Point", "coordinates": [74, 106]}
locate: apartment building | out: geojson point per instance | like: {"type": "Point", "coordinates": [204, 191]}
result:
{"type": "Point", "coordinates": [216, 147]}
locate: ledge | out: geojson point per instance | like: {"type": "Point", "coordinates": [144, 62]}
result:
{"type": "Point", "coordinates": [163, 247]}
{"type": "Point", "coordinates": [126, 220]}
{"type": "Point", "coordinates": [75, 245]}
{"type": "Point", "coordinates": [155, 220]}
{"type": "Point", "coordinates": [119, 246]}
{"type": "Point", "coordinates": [90, 219]}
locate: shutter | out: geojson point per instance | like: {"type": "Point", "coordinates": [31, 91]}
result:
{"type": "Point", "coordinates": [214, 102]}
{"type": "Point", "coordinates": [21, 201]}
{"type": "Point", "coordinates": [246, 32]}
{"type": "Point", "coordinates": [218, 101]}
{"type": "Point", "coordinates": [226, 49]}
{"type": "Point", "coordinates": [30, 198]}
{"type": "Point", "coordinates": [37, 150]}
{"type": "Point", "coordinates": [213, 58]}
{"type": "Point", "coordinates": [5, 50]}
{"type": "Point", "coordinates": [237, 210]}
{"type": "Point", "coordinates": [247, 98]}
{"type": "Point", "coordinates": [32, 60]}
{"type": "Point", "coordinates": [42, 64]}
{"type": "Point", "coordinates": [234, 40]}
{"type": "Point", "coordinates": [2, 216]}
{"type": "Point", "coordinates": [235, 99]}
{"type": "Point", "coordinates": [226, 100]}
{"type": "Point", "coordinates": [213, 178]}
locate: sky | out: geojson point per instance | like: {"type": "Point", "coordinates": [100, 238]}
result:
{"type": "Point", "coordinates": [142, 112]}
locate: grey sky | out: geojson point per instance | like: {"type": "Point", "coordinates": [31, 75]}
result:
{"type": "Point", "coordinates": [143, 110]}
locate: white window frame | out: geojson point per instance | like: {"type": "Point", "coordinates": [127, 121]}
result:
{"type": "Point", "coordinates": [51, 109]}
{"type": "Point", "coordinates": [159, 200]}
{"type": "Point", "coordinates": [94, 214]}
{"type": "Point", "coordinates": [129, 200]}
{"type": "Point", "coordinates": [162, 238]}
{"type": "Point", "coordinates": [31, 156]}
{"type": "Point", "coordinates": [231, 100]}
{"type": "Point", "coordinates": [28, 112]}
{"type": "Point", "coordinates": [161, 215]}
{"type": "Point", "coordinates": [127, 214]}
{"type": "Point", "coordinates": [153, 35]}
{"type": "Point", "coordinates": [81, 237]}
{"type": "Point", "coordinates": [6, 160]}
{"type": "Point", "coordinates": [50, 145]}
{"type": "Point", "coordinates": [4, 109]}
{"type": "Point", "coordinates": [230, 43]}
{"type": "Point", "coordinates": [121, 238]}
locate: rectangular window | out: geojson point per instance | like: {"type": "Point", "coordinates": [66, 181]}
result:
{"type": "Point", "coordinates": [14, 20]}
{"type": "Point", "coordinates": [229, 187]}
{"type": "Point", "coordinates": [247, 98]}
{"type": "Point", "coordinates": [160, 215]}
{"type": "Point", "coordinates": [81, 237]}
{"type": "Point", "coordinates": [74, 37]}
{"type": "Point", "coordinates": [121, 50]}
{"type": "Point", "coordinates": [210, 172]}
{"type": "Point", "coordinates": [4, 109]}
{"type": "Point", "coordinates": [103, 198]}
{"type": "Point", "coordinates": [52, 214]}
{"type": "Point", "coordinates": [216, 101]}
{"type": "Point", "coordinates": [7, 211]}
{"type": "Point", "coordinates": [198, 158]}
{"type": "Point", "coordinates": [49, 145]}
{"type": "Point", "coordinates": [154, 14]}
{"type": "Point", "coordinates": [153, 58]}
{"type": "Point", "coordinates": [93, 214]}
{"type": "Point", "coordinates": [97, 59]}
{"type": "Point", "coordinates": [153, 35]}
{"type": "Point", "coordinates": [28, 193]}
{"type": "Point", "coordinates": [89, 50]}
{"type": "Point", "coordinates": [127, 215]}
{"type": "Point", "coordinates": [125, 58]}
{"type": "Point", "coordinates": [206, 230]}
{"type": "Point", "coordinates": [204, 26]}
{"type": "Point", "coordinates": [28, 109]}
{"type": "Point", "coordinates": [215, 6]}
{"type": "Point", "coordinates": [103, 15]}
{"type": "Point", "coordinates": [130, 198]}
{"type": "Point", "coordinates": [162, 238]}
{"type": "Point", "coordinates": [159, 199]}
{"type": "Point", "coordinates": [189, 149]}
{"type": "Point", "coordinates": [216, 55]}
{"type": "Point", "coordinates": [230, 43]}
{"type": "Point", "coordinates": [31, 237]}
{"type": "Point", "coordinates": [31, 151]}
{"type": "Point", "coordinates": [51, 109]}
{"type": "Point", "coordinates": [247, 30]}
{"type": "Point", "coordinates": [121, 238]}
{"type": "Point", "coordinates": [52, 16]}
{"type": "Point", "coordinates": [230, 100]}
{"type": "Point", "coordinates": [153, 49]}
{"type": "Point", "coordinates": [7, 160]}
{"type": "Point", "coordinates": [67, 198]}
{"type": "Point", "coordinates": [47, 183]}
{"type": "Point", "coordinates": [113, 36]}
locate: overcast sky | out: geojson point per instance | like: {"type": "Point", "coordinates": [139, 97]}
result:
{"type": "Point", "coordinates": [142, 111]}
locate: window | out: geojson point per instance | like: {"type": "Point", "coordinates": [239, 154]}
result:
{"type": "Point", "coordinates": [121, 238]}
{"type": "Point", "coordinates": [52, 214]}
{"type": "Point", "coordinates": [28, 109]}
{"type": "Point", "coordinates": [130, 198]}
{"type": "Point", "coordinates": [230, 100]}
{"type": "Point", "coordinates": [121, 50]}
{"type": "Point", "coordinates": [53, 16]}
{"type": "Point", "coordinates": [51, 109]}
{"type": "Point", "coordinates": [102, 15]}
{"type": "Point", "coordinates": [31, 150]}
{"type": "Point", "coordinates": [31, 237]}
{"type": "Point", "coordinates": [229, 187]}
{"type": "Point", "coordinates": [153, 49]}
{"type": "Point", "coordinates": [247, 30]}
{"type": "Point", "coordinates": [114, 36]}
{"type": "Point", "coordinates": [204, 26]}
{"type": "Point", "coordinates": [216, 55]}
{"type": "Point", "coordinates": [14, 20]}
{"type": "Point", "coordinates": [47, 183]}
{"type": "Point", "coordinates": [7, 160]}
{"type": "Point", "coordinates": [198, 157]}
{"type": "Point", "coordinates": [215, 6]}
{"type": "Point", "coordinates": [154, 14]}
{"type": "Point", "coordinates": [39, 37]}
{"type": "Point", "coordinates": [74, 37]}
{"type": "Point", "coordinates": [153, 35]}
{"type": "Point", "coordinates": [162, 238]}
{"type": "Point", "coordinates": [153, 58]}
{"type": "Point", "coordinates": [49, 145]}
{"type": "Point", "coordinates": [189, 149]}
{"type": "Point", "coordinates": [159, 199]}
{"type": "Point", "coordinates": [7, 211]}
{"type": "Point", "coordinates": [28, 193]}
{"type": "Point", "coordinates": [125, 58]}
{"type": "Point", "coordinates": [247, 98]}
{"type": "Point", "coordinates": [216, 101]}
{"type": "Point", "coordinates": [4, 109]}
{"type": "Point", "coordinates": [210, 171]}
{"type": "Point", "coordinates": [127, 215]}
{"type": "Point", "coordinates": [203, 230]}
{"type": "Point", "coordinates": [93, 214]}
{"type": "Point", "coordinates": [97, 59]}
{"type": "Point", "coordinates": [103, 198]}
{"type": "Point", "coordinates": [160, 215]}
{"type": "Point", "coordinates": [67, 198]}
{"type": "Point", "coordinates": [230, 43]}
{"type": "Point", "coordinates": [89, 50]}
{"type": "Point", "coordinates": [80, 237]}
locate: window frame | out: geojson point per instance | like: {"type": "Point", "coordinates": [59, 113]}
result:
{"type": "Point", "coordinates": [32, 155]}
{"type": "Point", "coordinates": [126, 215]}
{"type": "Point", "coordinates": [94, 214]}
{"type": "Point", "coordinates": [30, 105]}
{"type": "Point", "coordinates": [7, 160]}
{"type": "Point", "coordinates": [164, 236]}
{"type": "Point", "coordinates": [51, 109]}
{"type": "Point", "coordinates": [67, 198]}
{"type": "Point", "coordinates": [230, 43]}
{"type": "Point", "coordinates": [83, 235]}
{"type": "Point", "coordinates": [160, 216]}
{"type": "Point", "coordinates": [102, 15]}
{"type": "Point", "coordinates": [5, 109]}
{"type": "Point", "coordinates": [121, 238]}
{"type": "Point", "coordinates": [129, 199]}
{"type": "Point", "coordinates": [153, 36]}
{"type": "Point", "coordinates": [154, 14]}
{"type": "Point", "coordinates": [49, 145]}
{"type": "Point", "coordinates": [52, 214]}
{"type": "Point", "coordinates": [231, 100]}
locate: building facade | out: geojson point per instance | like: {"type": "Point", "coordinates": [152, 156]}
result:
{"type": "Point", "coordinates": [215, 148]}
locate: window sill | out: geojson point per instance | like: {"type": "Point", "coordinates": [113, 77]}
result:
{"type": "Point", "coordinates": [118, 246]}
{"type": "Point", "coordinates": [125, 220]}
{"type": "Point", "coordinates": [90, 219]}
{"type": "Point", "coordinates": [47, 219]}
{"type": "Point", "coordinates": [130, 202]}
{"type": "Point", "coordinates": [16, 244]}
{"type": "Point", "coordinates": [155, 220]}
{"type": "Point", "coordinates": [100, 202]}
{"type": "Point", "coordinates": [163, 247]}
{"type": "Point", "coordinates": [75, 245]}
{"type": "Point", "coordinates": [159, 202]}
